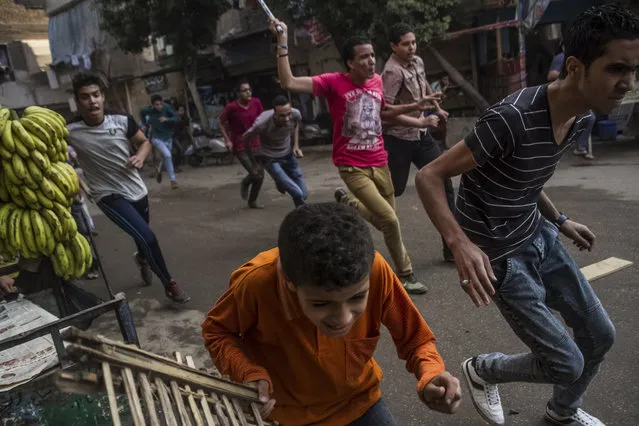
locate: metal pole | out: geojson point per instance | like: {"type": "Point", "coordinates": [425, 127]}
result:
{"type": "Point", "coordinates": [269, 14]}
{"type": "Point", "coordinates": [127, 93]}
{"type": "Point", "coordinates": [97, 255]}
{"type": "Point", "coordinates": [522, 44]}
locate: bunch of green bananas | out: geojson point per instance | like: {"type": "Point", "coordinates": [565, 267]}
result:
{"type": "Point", "coordinates": [37, 188]}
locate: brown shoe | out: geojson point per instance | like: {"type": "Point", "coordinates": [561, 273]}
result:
{"type": "Point", "coordinates": [174, 185]}
{"type": "Point", "coordinates": [176, 294]}
{"type": "Point", "coordinates": [412, 285]}
{"type": "Point", "coordinates": [340, 195]}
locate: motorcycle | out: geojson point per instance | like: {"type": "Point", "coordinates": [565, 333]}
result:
{"type": "Point", "coordinates": [314, 134]}
{"type": "Point", "coordinates": [207, 145]}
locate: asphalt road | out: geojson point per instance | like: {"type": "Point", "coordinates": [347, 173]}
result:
{"type": "Point", "coordinates": [206, 232]}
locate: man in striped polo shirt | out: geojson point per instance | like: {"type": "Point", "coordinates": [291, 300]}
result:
{"type": "Point", "coordinates": [504, 233]}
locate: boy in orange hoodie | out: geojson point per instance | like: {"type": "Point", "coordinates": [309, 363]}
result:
{"type": "Point", "coordinates": [301, 322]}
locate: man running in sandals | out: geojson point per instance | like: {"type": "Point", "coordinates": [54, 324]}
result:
{"type": "Point", "coordinates": [357, 106]}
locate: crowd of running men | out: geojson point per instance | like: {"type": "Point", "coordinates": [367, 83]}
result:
{"type": "Point", "coordinates": [301, 321]}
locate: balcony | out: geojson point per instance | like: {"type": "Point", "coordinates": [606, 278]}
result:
{"type": "Point", "coordinates": [53, 7]}
{"type": "Point", "coordinates": [236, 24]}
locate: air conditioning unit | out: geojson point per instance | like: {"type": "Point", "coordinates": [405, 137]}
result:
{"type": "Point", "coordinates": [53, 79]}
{"type": "Point", "coordinates": [6, 71]}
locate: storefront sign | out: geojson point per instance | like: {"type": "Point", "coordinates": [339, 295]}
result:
{"type": "Point", "coordinates": [155, 83]}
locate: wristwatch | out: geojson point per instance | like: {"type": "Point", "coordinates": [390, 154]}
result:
{"type": "Point", "coordinates": [561, 220]}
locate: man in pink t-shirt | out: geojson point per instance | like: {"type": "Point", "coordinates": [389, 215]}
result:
{"type": "Point", "coordinates": [356, 104]}
{"type": "Point", "coordinates": [238, 116]}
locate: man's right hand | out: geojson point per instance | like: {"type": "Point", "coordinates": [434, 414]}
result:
{"type": "Point", "coordinates": [475, 273]}
{"type": "Point", "coordinates": [6, 285]}
{"type": "Point", "coordinates": [228, 144]}
{"type": "Point", "coordinates": [268, 403]}
{"type": "Point", "coordinates": [443, 114]}
{"type": "Point", "coordinates": [281, 37]}
{"type": "Point", "coordinates": [135, 161]}
{"type": "Point", "coordinates": [432, 120]}
{"type": "Point", "coordinates": [442, 393]}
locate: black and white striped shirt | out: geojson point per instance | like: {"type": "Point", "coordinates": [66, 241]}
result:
{"type": "Point", "coordinates": [516, 154]}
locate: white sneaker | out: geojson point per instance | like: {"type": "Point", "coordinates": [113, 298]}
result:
{"type": "Point", "coordinates": [579, 418]}
{"type": "Point", "coordinates": [485, 396]}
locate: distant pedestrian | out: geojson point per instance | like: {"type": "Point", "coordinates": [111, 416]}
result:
{"type": "Point", "coordinates": [278, 150]}
{"type": "Point", "coordinates": [158, 117]}
{"type": "Point", "coordinates": [557, 64]}
{"type": "Point", "coordinates": [182, 137]}
{"type": "Point", "coordinates": [235, 120]}
{"type": "Point", "coordinates": [442, 85]}
{"type": "Point", "coordinates": [584, 142]}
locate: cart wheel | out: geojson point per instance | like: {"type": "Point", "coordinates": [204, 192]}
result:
{"type": "Point", "coordinates": [195, 160]}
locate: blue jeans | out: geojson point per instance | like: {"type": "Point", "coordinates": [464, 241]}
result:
{"type": "Point", "coordinates": [582, 141]}
{"type": "Point", "coordinates": [287, 174]}
{"type": "Point", "coordinates": [377, 415]}
{"type": "Point", "coordinates": [165, 148]}
{"type": "Point", "coordinates": [133, 218]}
{"type": "Point", "coordinates": [539, 279]}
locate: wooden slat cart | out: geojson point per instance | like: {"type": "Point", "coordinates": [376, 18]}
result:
{"type": "Point", "coordinates": [159, 390]}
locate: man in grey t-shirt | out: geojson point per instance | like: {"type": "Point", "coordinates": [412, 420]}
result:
{"type": "Point", "coordinates": [111, 149]}
{"type": "Point", "coordinates": [277, 153]}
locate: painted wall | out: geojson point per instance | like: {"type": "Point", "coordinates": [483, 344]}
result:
{"type": "Point", "coordinates": [30, 89]}
{"type": "Point", "coordinates": [139, 96]}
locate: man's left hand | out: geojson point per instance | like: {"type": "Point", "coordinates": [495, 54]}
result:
{"type": "Point", "coordinates": [428, 121]}
{"type": "Point", "coordinates": [135, 161]}
{"type": "Point", "coordinates": [427, 101]}
{"type": "Point", "coordinates": [442, 393]}
{"type": "Point", "coordinates": [443, 114]}
{"type": "Point", "coordinates": [163, 119]}
{"type": "Point", "coordinates": [298, 153]}
{"type": "Point", "coordinates": [581, 236]}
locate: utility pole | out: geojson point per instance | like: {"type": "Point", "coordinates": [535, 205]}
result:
{"type": "Point", "coordinates": [521, 13]}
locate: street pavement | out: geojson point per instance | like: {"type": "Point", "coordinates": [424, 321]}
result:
{"type": "Point", "coordinates": [206, 232]}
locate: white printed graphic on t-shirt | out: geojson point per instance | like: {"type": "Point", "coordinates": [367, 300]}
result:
{"type": "Point", "coordinates": [362, 120]}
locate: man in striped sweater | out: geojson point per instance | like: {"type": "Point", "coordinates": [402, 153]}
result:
{"type": "Point", "coordinates": [504, 233]}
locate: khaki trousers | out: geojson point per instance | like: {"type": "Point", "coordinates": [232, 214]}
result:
{"type": "Point", "coordinates": [372, 194]}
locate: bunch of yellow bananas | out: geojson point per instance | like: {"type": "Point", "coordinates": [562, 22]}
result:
{"type": "Point", "coordinates": [37, 188]}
